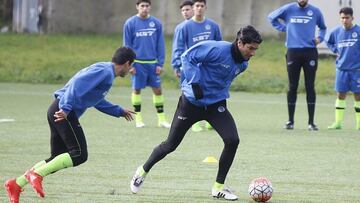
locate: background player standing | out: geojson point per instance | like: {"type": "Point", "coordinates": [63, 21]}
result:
{"type": "Point", "coordinates": [193, 31]}
{"type": "Point", "coordinates": [299, 22]}
{"type": "Point", "coordinates": [345, 42]}
{"type": "Point", "coordinates": [144, 34]}
{"type": "Point", "coordinates": [187, 13]}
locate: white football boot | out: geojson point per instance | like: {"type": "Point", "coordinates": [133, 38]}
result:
{"type": "Point", "coordinates": [225, 193]}
{"type": "Point", "coordinates": [137, 180]}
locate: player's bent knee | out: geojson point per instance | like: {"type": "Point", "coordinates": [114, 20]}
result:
{"type": "Point", "coordinates": [78, 157]}
{"type": "Point", "coordinates": [232, 142]}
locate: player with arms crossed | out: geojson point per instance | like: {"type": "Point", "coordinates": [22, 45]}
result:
{"type": "Point", "coordinates": [345, 42]}
{"type": "Point", "coordinates": [209, 68]}
{"type": "Point", "coordinates": [68, 145]}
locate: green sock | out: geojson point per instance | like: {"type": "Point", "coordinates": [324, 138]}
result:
{"type": "Point", "coordinates": [158, 100]}
{"type": "Point", "coordinates": [357, 114]}
{"type": "Point", "coordinates": [59, 162]}
{"type": "Point", "coordinates": [340, 106]}
{"type": "Point", "coordinates": [142, 172]}
{"type": "Point", "coordinates": [135, 99]}
{"type": "Point", "coordinates": [218, 186]}
{"type": "Point", "coordinates": [21, 180]}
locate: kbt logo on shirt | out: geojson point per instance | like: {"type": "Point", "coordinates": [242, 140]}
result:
{"type": "Point", "coordinates": [300, 19]}
{"type": "Point", "coordinates": [347, 43]}
{"type": "Point", "coordinates": [201, 36]}
{"type": "Point", "coordinates": [145, 32]}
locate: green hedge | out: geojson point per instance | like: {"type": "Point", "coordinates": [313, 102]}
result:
{"type": "Point", "coordinates": [55, 58]}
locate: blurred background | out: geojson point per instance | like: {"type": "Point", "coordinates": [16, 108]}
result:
{"type": "Point", "coordinates": [47, 41]}
{"type": "Point", "coordinates": [108, 16]}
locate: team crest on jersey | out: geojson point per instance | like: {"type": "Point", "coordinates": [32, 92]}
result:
{"type": "Point", "coordinates": [152, 24]}
{"type": "Point", "coordinates": [354, 35]}
{"type": "Point", "coordinates": [310, 13]}
{"type": "Point", "coordinates": [207, 27]}
{"type": "Point", "coordinates": [221, 109]}
{"type": "Point", "coordinates": [312, 63]}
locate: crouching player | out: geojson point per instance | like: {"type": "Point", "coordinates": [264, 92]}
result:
{"type": "Point", "coordinates": [67, 141]}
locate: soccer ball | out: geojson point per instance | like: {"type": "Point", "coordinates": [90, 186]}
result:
{"type": "Point", "coordinates": [260, 189]}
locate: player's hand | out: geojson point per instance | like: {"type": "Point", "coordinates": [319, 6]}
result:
{"type": "Point", "coordinates": [60, 115]}
{"type": "Point", "coordinates": [128, 115]}
{"type": "Point", "coordinates": [177, 73]}
{"type": "Point", "coordinates": [132, 71]}
{"type": "Point", "coordinates": [317, 41]}
{"type": "Point", "coordinates": [158, 70]}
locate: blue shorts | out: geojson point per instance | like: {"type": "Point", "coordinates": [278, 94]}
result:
{"type": "Point", "coordinates": [145, 76]}
{"type": "Point", "coordinates": [347, 80]}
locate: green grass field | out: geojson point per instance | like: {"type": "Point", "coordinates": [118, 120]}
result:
{"type": "Point", "coordinates": [53, 59]}
{"type": "Point", "coordinates": [303, 166]}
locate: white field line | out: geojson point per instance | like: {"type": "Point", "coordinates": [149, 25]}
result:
{"type": "Point", "coordinates": [4, 120]}
{"type": "Point", "coordinates": [27, 93]}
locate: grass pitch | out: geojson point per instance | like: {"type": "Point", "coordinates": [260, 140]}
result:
{"type": "Point", "coordinates": [303, 166]}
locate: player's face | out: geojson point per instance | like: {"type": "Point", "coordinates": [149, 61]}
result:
{"type": "Point", "coordinates": [187, 12]}
{"type": "Point", "coordinates": [143, 9]}
{"type": "Point", "coordinates": [346, 20]}
{"type": "Point", "coordinates": [123, 70]}
{"type": "Point", "coordinates": [199, 9]}
{"type": "Point", "coordinates": [248, 50]}
{"type": "Point", "coordinates": [302, 3]}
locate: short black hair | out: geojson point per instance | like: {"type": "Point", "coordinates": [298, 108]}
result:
{"type": "Point", "coordinates": [122, 55]}
{"type": "Point", "coordinates": [186, 3]}
{"type": "Point", "coordinates": [141, 1]}
{"type": "Point", "coordinates": [194, 1]}
{"type": "Point", "coordinates": [346, 11]}
{"type": "Point", "coordinates": [248, 34]}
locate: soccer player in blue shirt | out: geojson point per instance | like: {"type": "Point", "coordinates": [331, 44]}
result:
{"type": "Point", "coordinates": [299, 21]}
{"type": "Point", "coordinates": [187, 13]}
{"type": "Point", "coordinates": [85, 89]}
{"type": "Point", "coordinates": [144, 34]}
{"type": "Point", "coordinates": [344, 41]}
{"type": "Point", "coordinates": [193, 31]}
{"type": "Point", "coordinates": [209, 68]}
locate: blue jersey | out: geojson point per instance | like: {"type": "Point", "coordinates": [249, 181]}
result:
{"type": "Point", "coordinates": [299, 24]}
{"type": "Point", "coordinates": [175, 58]}
{"type": "Point", "coordinates": [210, 64]}
{"type": "Point", "coordinates": [346, 44]}
{"type": "Point", "coordinates": [146, 38]}
{"type": "Point", "coordinates": [88, 88]}
{"type": "Point", "coordinates": [191, 33]}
